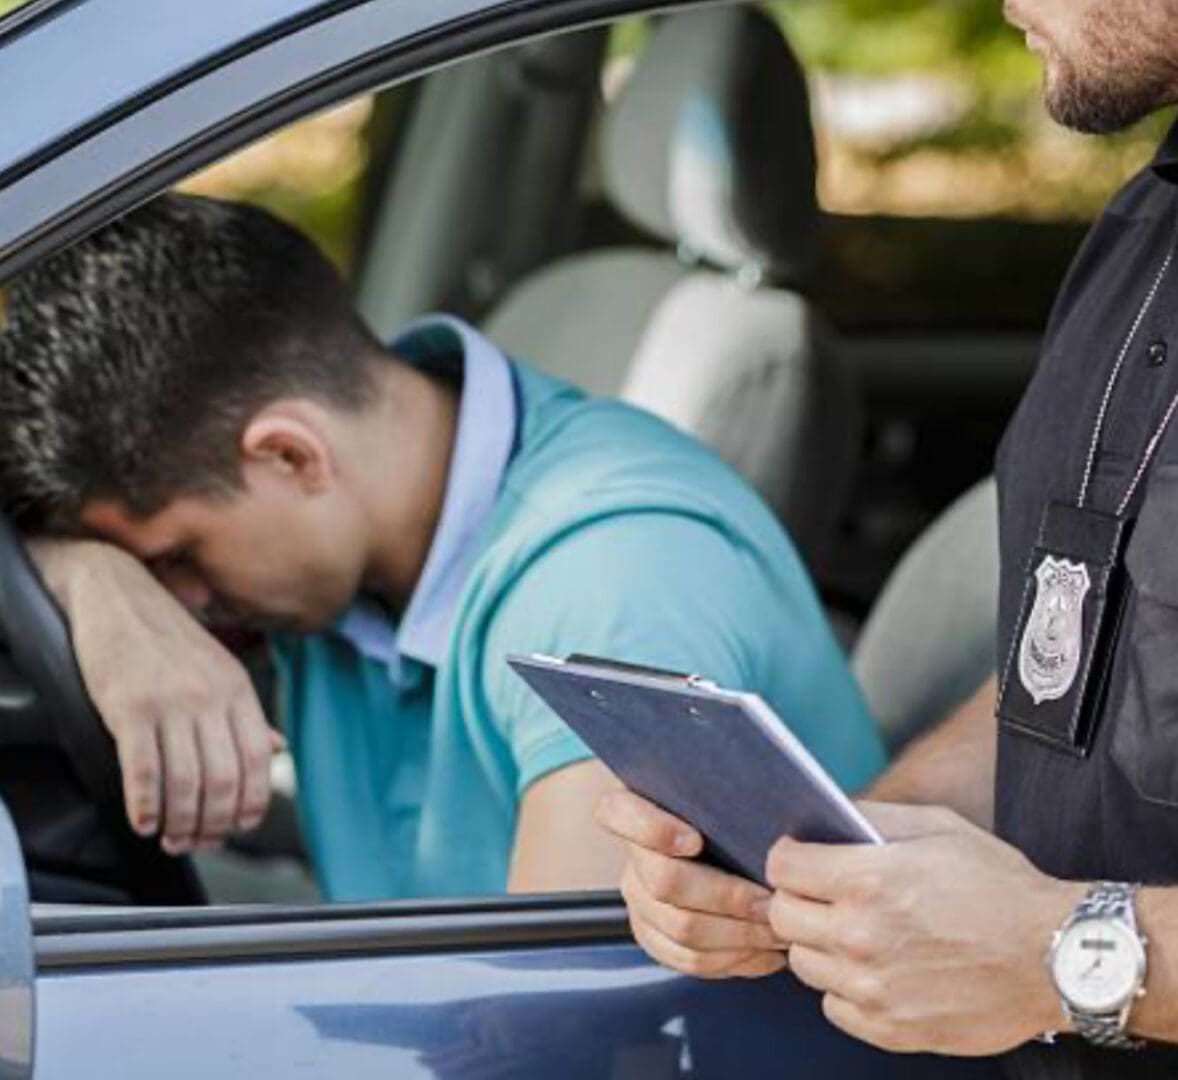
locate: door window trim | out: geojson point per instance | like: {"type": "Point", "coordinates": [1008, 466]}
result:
{"type": "Point", "coordinates": [310, 68]}
{"type": "Point", "coordinates": [67, 940]}
{"type": "Point", "coordinates": [142, 152]}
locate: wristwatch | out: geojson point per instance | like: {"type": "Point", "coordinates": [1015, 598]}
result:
{"type": "Point", "coordinates": [1097, 961]}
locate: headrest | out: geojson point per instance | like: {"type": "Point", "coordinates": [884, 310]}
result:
{"type": "Point", "coordinates": [710, 144]}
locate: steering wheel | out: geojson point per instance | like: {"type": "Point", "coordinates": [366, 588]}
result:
{"type": "Point", "coordinates": [59, 770]}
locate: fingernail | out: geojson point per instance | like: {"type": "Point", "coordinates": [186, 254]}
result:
{"type": "Point", "coordinates": [685, 843]}
{"type": "Point", "coordinates": [147, 827]}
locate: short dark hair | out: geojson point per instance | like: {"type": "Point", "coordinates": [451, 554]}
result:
{"type": "Point", "coordinates": [131, 363]}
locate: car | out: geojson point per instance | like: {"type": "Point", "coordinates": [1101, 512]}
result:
{"type": "Point", "coordinates": [129, 972]}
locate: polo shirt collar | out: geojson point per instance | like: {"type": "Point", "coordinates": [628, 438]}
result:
{"type": "Point", "coordinates": [484, 439]}
{"type": "Point", "coordinates": [1165, 161]}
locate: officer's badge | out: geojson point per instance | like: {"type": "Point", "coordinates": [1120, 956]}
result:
{"type": "Point", "coordinates": [1049, 655]}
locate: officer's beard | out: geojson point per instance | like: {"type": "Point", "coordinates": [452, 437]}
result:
{"type": "Point", "coordinates": [1124, 75]}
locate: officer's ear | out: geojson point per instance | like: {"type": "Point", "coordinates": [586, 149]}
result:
{"type": "Point", "coordinates": [288, 441]}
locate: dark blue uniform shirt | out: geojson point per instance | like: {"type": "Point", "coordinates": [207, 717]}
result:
{"type": "Point", "coordinates": [1114, 814]}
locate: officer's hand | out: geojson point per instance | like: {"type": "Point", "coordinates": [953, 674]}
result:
{"type": "Point", "coordinates": [193, 743]}
{"type": "Point", "coordinates": [932, 942]}
{"type": "Point", "coordinates": [687, 916]}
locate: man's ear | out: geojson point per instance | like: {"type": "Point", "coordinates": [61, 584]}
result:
{"type": "Point", "coordinates": [288, 438]}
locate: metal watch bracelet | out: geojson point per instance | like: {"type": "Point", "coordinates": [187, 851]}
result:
{"type": "Point", "coordinates": [1106, 900]}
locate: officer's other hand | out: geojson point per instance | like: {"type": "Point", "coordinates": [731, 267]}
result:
{"type": "Point", "coordinates": [687, 916]}
{"type": "Point", "coordinates": [192, 740]}
{"type": "Point", "coordinates": [932, 942]}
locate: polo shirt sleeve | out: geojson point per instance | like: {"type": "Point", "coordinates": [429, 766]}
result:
{"type": "Point", "coordinates": [652, 588]}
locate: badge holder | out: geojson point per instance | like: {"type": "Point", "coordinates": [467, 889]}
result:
{"type": "Point", "coordinates": [1057, 671]}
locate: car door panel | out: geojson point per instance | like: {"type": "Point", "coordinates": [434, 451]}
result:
{"type": "Point", "coordinates": [509, 988]}
{"type": "Point", "coordinates": [598, 1011]}
{"type": "Point", "coordinates": [562, 1010]}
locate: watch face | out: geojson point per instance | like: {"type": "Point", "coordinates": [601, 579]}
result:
{"type": "Point", "coordinates": [1097, 965]}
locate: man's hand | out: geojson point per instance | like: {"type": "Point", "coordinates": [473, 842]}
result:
{"type": "Point", "coordinates": [193, 743]}
{"type": "Point", "coordinates": [933, 942]}
{"type": "Point", "coordinates": [688, 916]}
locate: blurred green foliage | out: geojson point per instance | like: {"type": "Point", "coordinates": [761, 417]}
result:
{"type": "Point", "coordinates": [996, 154]}
{"type": "Point", "coordinates": [966, 40]}
{"type": "Point", "coordinates": [882, 38]}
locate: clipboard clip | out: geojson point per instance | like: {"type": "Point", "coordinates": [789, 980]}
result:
{"type": "Point", "coordinates": [697, 681]}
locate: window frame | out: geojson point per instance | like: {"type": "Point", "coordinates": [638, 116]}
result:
{"type": "Point", "coordinates": [88, 174]}
{"type": "Point", "coordinates": [87, 177]}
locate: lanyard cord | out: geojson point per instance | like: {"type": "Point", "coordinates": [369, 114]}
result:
{"type": "Point", "coordinates": [1147, 457]}
{"type": "Point", "coordinates": [1098, 428]}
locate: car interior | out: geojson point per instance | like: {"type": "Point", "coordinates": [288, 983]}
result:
{"type": "Point", "coordinates": [666, 247]}
{"type": "Point", "coordinates": [649, 229]}
{"type": "Point", "coordinates": [688, 288]}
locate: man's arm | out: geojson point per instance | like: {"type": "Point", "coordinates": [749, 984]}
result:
{"type": "Point", "coordinates": [652, 588]}
{"type": "Point", "coordinates": [936, 941]}
{"type": "Point", "coordinates": [698, 920]}
{"type": "Point", "coordinates": [557, 845]}
{"type": "Point", "coordinates": [952, 765]}
{"type": "Point", "coordinates": [192, 740]}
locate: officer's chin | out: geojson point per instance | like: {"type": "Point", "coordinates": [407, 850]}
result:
{"type": "Point", "coordinates": [1092, 104]}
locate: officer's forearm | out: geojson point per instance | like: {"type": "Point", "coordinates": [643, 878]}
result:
{"type": "Point", "coordinates": [951, 766]}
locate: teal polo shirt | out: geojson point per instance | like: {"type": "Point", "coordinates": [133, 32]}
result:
{"type": "Point", "coordinates": [570, 524]}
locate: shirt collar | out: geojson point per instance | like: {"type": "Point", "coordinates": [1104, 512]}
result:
{"type": "Point", "coordinates": [484, 437]}
{"type": "Point", "coordinates": [1165, 161]}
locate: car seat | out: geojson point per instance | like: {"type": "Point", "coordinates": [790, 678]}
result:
{"type": "Point", "coordinates": [930, 639]}
{"type": "Point", "coordinates": [468, 188]}
{"type": "Point", "coordinates": [709, 150]}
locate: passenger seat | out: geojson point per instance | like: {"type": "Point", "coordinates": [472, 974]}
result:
{"type": "Point", "coordinates": [931, 637]}
{"type": "Point", "coordinates": [709, 149]}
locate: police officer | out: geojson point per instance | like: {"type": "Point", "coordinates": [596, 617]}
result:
{"type": "Point", "coordinates": [1027, 904]}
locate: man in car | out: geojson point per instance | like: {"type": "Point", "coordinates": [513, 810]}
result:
{"type": "Point", "coordinates": [1053, 795]}
{"type": "Point", "coordinates": [188, 400]}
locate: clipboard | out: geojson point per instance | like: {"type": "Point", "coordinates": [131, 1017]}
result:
{"type": "Point", "coordinates": [721, 760]}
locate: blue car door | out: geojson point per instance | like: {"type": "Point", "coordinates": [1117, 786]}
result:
{"type": "Point", "coordinates": [505, 987]}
